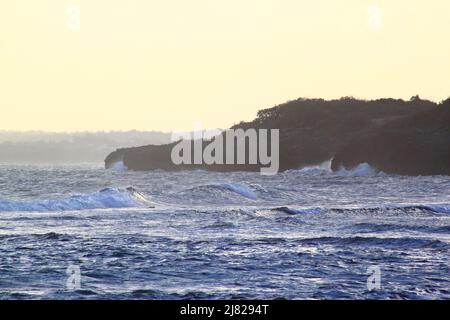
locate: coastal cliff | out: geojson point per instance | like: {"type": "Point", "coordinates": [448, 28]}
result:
{"type": "Point", "coordinates": [394, 136]}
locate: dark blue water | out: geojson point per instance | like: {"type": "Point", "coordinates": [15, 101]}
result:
{"type": "Point", "coordinates": [304, 234]}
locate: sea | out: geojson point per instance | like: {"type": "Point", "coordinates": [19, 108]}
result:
{"type": "Point", "coordinates": [84, 232]}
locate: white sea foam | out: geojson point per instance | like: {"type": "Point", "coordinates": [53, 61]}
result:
{"type": "Point", "coordinates": [362, 170]}
{"type": "Point", "coordinates": [119, 166]}
{"type": "Point", "coordinates": [104, 199]}
{"type": "Point", "coordinates": [324, 167]}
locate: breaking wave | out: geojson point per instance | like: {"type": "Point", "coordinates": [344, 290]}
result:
{"type": "Point", "coordinates": [238, 188]}
{"type": "Point", "coordinates": [324, 167]}
{"type": "Point", "coordinates": [221, 190]}
{"type": "Point", "coordinates": [108, 198]}
{"type": "Point", "coordinates": [362, 170]}
{"type": "Point", "coordinates": [118, 166]}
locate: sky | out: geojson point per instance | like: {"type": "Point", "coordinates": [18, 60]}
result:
{"type": "Point", "coordinates": [166, 65]}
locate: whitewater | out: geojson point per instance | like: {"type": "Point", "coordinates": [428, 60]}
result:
{"type": "Point", "coordinates": [302, 234]}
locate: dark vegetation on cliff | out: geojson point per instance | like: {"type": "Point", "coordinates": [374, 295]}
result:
{"type": "Point", "coordinates": [395, 136]}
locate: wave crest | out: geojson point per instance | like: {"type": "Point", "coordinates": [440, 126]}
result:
{"type": "Point", "coordinates": [108, 198]}
{"type": "Point", "coordinates": [238, 188]}
{"type": "Point", "coordinates": [221, 190]}
{"type": "Point", "coordinates": [362, 170]}
{"type": "Point", "coordinates": [426, 208]}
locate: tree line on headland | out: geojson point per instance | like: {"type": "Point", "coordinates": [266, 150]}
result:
{"type": "Point", "coordinates": [392, 135]}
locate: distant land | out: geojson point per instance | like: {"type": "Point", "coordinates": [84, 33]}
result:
{"type": "Point", "coordinates": [38, 147]}
{"type": "Point", "coordinates": [392, 135]}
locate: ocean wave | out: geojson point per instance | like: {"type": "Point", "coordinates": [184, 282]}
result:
{"type": "Point", "coordinates": [118, 166]}
{"type": "Point", "coordinates": [439, 208]}
{"type": "Point", "coordinates": [362, 170]}
{"type": "Point", "coordinates": [294, 211]}
{"type": "Point", "coordinates": [108, 198]}
{"type": "Point", "coordinates": [430, 208]}
{"type": "Point", "coordinates": [239, 189]}
{"type": "Point", "coordinates": [409, 242]}
{"type": "Point", "coordinates": [324, 167]}
{"type": "Point", "coordinates": [367, 227]}
{"type": "Point", "coordinates": [427, 208]}
{"type": "Point", "coordinates": [345, 241]}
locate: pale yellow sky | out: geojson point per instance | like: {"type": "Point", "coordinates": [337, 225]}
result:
{"type": "Point", "coordinates": [162, 65]}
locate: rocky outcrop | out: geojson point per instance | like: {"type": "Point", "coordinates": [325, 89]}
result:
{"type": "Point", "coordinates": [394, 136]}
{"type": "Point", "coordinates": [412, 145]}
